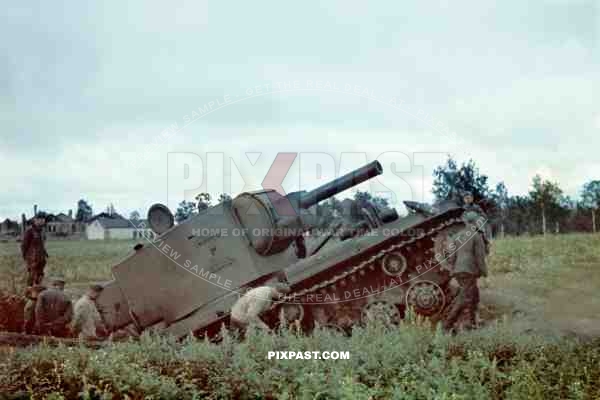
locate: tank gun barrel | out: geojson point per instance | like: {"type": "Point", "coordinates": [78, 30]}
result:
{"type": "Point", "coordinates": [340, 184]}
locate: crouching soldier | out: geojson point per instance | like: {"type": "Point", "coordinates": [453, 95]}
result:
{"type": "Point", "coordinates": [87, 322]}
{"type": "Point", "coordinates": [54, 311]}
{"type": "Point", "coordinates": [32, 294]}
{"type": "Point", "coordinates": [248, 308]}
{"type": "Point", "coordinates": [469, 266]}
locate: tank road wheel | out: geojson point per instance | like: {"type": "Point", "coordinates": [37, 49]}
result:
{"type": "Point", "coordinates": [394, 264]}
{"type": "Point", "coordinates": [426, 297]}
{"type": "Point", "coordinates": [382, 311]}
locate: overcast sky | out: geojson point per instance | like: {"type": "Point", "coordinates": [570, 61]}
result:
{"type": "Point", "coordinates": [86, 89]}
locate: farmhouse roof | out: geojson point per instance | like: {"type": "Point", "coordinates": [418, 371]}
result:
{"type": "Point", "coordinates": [140, 223]}
{"type": "Point", "coordinates": [112, 223]}
{"type": "Point", "coordinates": [62, 217]}
{"type": "Point", "coordinates": [120, 223]}
{"type": "Point", "coordinates": [105, 215]}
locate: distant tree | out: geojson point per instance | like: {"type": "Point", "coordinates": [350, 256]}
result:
{"type": "Point", "coordinates": [519, 215]}
{"type": "Point", "coordinates": [590, 198]}
{"type": "Point", "coordinates": [546, 197]}
{"type": "Point", "coordinates": [185, 210]}
{"type": "Point", "coordinates": [327, 211]}
{"type": "Point", "coordinates": [84, 211]}
{"type": "Point", "coordinates": [203, 200]}
{"type": "Point", "coordinates": [450, 181]}
{"type": "Point", "coordinates": [501, 202]}
{"type": "Point", "coordinates": [134, 216]}
{"type": "Point", "coordinates": [110, 210]}
{"type": "Point", "coordinates": [563, 213]}
{"type": "Point", "coordinates": [224, 197]}
{"type": "Point", "coordinates": [368, 197]}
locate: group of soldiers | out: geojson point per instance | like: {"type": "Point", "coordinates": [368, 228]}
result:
{"type": "Point", "coordinates": [48, 310]}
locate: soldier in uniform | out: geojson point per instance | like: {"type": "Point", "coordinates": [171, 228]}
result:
{"type": "Point", "coordinates": [34, 252]}
{"type": "Point", "coordinates": [54, 311]}
{"type": "Point", "coordinates": [87, 322]}
{"type": "Point", "coordinates": [469, 205]}
{"type": "Point", "coordinates": [469, 266]}
{"type": "Point", "coordinates": [32, 294]}
{"type": "Point", "coordinates": [248, 308]}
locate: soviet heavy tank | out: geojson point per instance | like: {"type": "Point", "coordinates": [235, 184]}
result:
{"type": "Point", "coordinates": [186, 280]}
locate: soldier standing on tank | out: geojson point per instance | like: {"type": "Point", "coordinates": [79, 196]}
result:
{"type": "Point", "coordinates": [469, 204]}
{"type": "Point", "coordinates": [54, 311]}
{"type": "Point", "coordinates": [87, 322]}
{"type": "Point", "coordinates": [248, 308]}
{"type": "Point", "coordinates": [32, 294]}
{"type": "Point", "coordinates": [469, 266]}
{"type": "Point", "coordinates": [34, 252]}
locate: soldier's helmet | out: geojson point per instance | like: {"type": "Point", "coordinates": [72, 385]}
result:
{"type": "Point", "coordinates": [57, 280]}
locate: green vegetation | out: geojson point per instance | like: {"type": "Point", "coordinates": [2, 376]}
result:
{"type": "Point", "coordinates": [413, 362]}
{"type": "Point", "coordinates": [553, 281]}
{"type": "Point", "coordinates": [79, 262]}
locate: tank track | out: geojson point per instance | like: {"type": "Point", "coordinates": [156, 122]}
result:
{"type": "Point", "coordinates": [357, 273]}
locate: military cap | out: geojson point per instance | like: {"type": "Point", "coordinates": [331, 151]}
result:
{"type": "Point", "coordinates": [57, 279]}
{"type": "Point", "coordinates": [467, 193]}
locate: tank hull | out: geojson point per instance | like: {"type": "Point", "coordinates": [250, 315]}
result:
{"type": "Point", "coordinates": [375, 276]}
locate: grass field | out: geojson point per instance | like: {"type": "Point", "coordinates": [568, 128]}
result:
{"type": "Point", "coordinates": [540, 341]}
{"type": "Point", "coordinates": [79, 262]}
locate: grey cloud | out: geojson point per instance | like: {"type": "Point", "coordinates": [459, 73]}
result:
{"type": "Point", "coordinates": [515, 79]}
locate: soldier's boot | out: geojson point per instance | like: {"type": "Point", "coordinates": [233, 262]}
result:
{"type": "Point", "coordinates": [470, 322]}
{"type": "Point", "coordinates": [471, 303]}
{"type": "Point", "coordinates": [454, 312]}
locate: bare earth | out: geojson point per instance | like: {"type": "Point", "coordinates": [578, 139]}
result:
{"type": "Point", "coordinates": [553, 285]}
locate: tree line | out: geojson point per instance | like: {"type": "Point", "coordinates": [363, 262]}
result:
{"type": "Point", "coordinates": [544, 209]}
